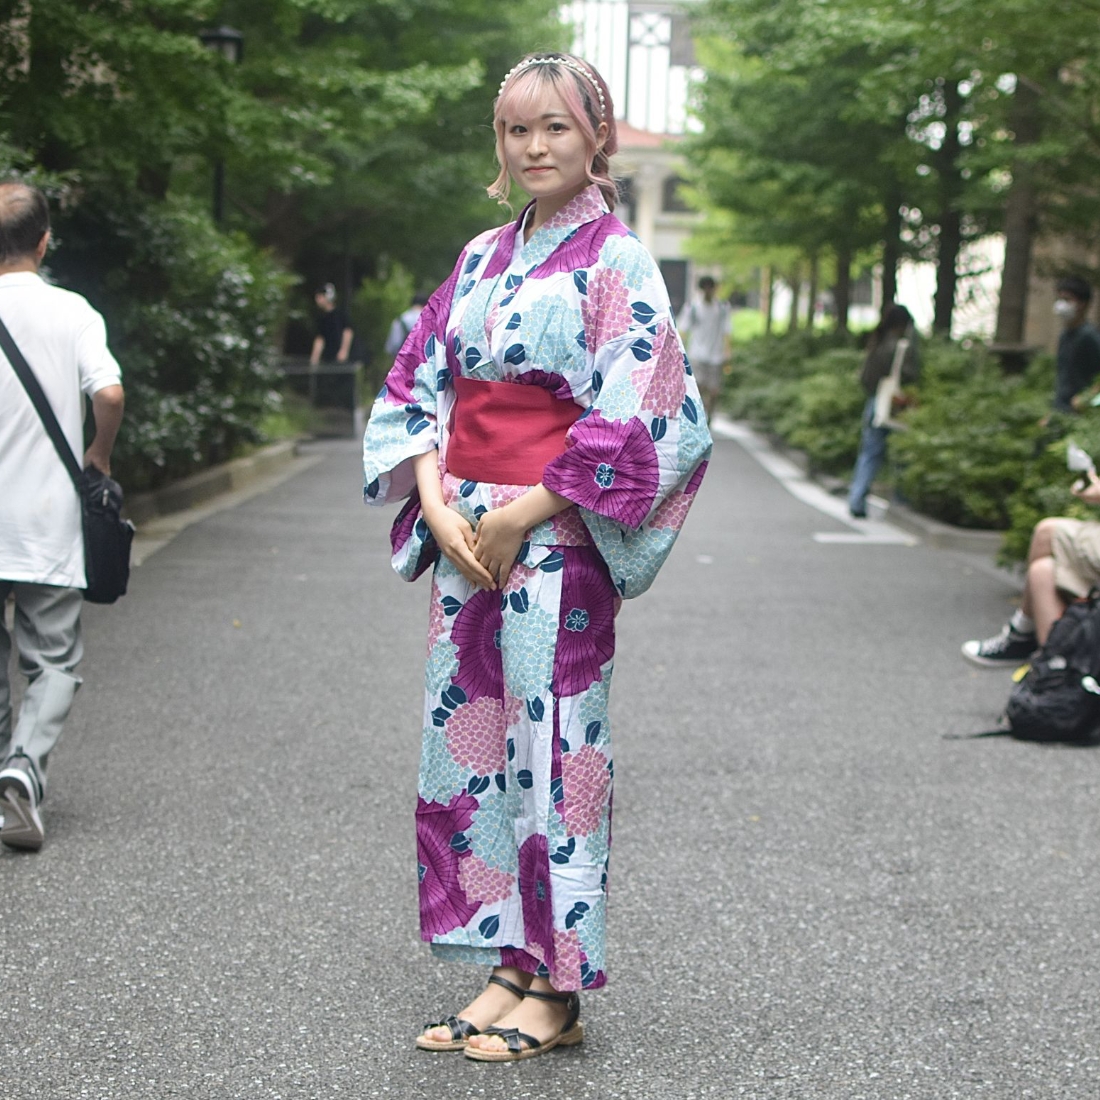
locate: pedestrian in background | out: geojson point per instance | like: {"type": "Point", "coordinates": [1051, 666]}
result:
{"type": "Point", "coordinates": [892, 339]}
{"type": "Point", "coordinates": [1078, 359]}
{"type": "Point", "coordinates": [404, 323]}
{"type": "Point", "coordinates": [332, 344]}
{"type": "Point", "coordinates": [705, 322]}
{"type": "Point", "coordinates": [543, 426]}
{"type": "Point", "coordinates": [64, 342]}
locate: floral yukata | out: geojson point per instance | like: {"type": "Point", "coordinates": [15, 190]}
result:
{"type": "Point", "coordinates": [514, 808]}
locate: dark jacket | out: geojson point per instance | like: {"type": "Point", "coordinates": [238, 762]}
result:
{"type": "Point", "coordinates": [880, 358]}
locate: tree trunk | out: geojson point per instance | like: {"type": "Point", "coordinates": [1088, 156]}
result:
{"type": "Point", "coordinates": [815, 275]}
{"type": "Point", "coordinates": [795, 279]}
{"type": "Point", "coordinates": [767, 287]}
{"type": "Point", "coordinates": [891, 249]}
{"type": "Point", "coordinates": [842, 292]}
{"type": "Point", "coordinates": [950, 215]}
{"type": "Point", "coordinates": [1021, 216]}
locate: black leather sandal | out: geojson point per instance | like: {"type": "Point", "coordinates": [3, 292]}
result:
{"type": "Point", "coordinates": [521, 1046]}
{"type": "Point", "coordinates": [461, 1030]}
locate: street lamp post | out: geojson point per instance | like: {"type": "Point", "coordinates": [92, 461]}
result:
{"type": "Point", "coordinates": [228, 44]}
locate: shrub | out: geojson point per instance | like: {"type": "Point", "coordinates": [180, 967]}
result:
{"type": "Point", "coordinates": [191, 316]}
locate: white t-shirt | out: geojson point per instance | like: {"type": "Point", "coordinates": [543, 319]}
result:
{"type": "Point", "coordinates": [707, 325]}
{"type": "Point", "coordinates": [65, 342]}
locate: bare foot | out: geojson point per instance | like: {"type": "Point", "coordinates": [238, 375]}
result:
{"type": "Point", "coordinates": [488, 1006]}
{"type": "Point", "coordinates": [542, 1020]}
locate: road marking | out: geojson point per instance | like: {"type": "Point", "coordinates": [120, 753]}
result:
{"type": "Point", "coordinates": [863, 532]}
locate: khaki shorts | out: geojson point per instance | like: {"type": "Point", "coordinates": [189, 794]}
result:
{"type": "Point", "coordinates": [708, 374]}
{"type": "Point", "coordinates": [1076, 547]}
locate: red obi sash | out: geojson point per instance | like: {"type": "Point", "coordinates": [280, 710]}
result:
{"type": "Point", "coordinates": [506, 432]}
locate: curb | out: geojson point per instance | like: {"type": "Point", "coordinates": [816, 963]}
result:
{"type": "Point", "coordinates": [181, 495]}
{"type": "Point", "coordinates": [933, 532]}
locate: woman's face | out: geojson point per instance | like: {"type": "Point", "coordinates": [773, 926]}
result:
{"type": "Point", "coordinates": [545, 153]}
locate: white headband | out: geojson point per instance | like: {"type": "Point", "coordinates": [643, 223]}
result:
{"type": "Point", "coordinates": [579, 69]}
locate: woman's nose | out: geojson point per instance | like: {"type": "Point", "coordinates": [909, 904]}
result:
{"type": "Point", "coordinates": [536, 144]}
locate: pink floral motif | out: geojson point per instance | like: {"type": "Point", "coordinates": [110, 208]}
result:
{"type": "Point", "coordinates": [513, 707]}
{"type": "Point", "coordinates": [519, 576]}
{"type": "Point", "coordinates": [437, 620]}
{"type": "Point", "coordinates": [584, 207]}
{"type": "Point", "coordinates": [672, 513]}
{"type": "Point", "coordinates": [483, 883]}
{"type": "Point", "coordinates": [475, 736]}
{"type": "Point", "coordinates": [505, 494]}
{"type": "Point", "coordinates": [606, 310]}
{"type": "Point", "coordinates": [568, 957]}
{"type": "Point", "coordinates": [569, 529]}
{"type": "Point", "coordinates": [585, 779]}
{"type": "Point", "coordinates": [661, 384]}
{"type": "Point", "coordinates": [491, 320]}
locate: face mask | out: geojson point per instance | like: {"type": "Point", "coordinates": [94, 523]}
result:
{"type": "Point", "coordinates": [1063, 309]}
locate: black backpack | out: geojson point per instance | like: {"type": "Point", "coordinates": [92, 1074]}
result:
{"type": "Point", "coordinates": [1058, 698]}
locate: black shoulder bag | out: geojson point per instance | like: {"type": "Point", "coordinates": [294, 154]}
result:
{"type": "Point", "coordinates": [107, 536]}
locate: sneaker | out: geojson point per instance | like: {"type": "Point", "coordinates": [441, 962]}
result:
{"type": "Point", "coordinates": [1010, 647]}
{"type": "Point", "coordinates": [22, 823]}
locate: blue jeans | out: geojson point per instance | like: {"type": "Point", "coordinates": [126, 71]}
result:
{"type": "Point", "coordinates": [872, 450]}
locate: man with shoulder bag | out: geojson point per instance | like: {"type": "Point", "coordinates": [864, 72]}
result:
{"type": "Point", "coordinates": [53, 352]}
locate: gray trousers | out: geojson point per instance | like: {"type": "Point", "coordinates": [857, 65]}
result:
{"type": "Point", "coordinates": [47, 633]}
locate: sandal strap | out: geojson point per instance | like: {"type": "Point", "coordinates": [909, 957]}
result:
{"type": "Point", "coordinates": [460, 1029]}
{"type": "Point", "coordinates": [504, 983]}
{"type": "Point", "coordinates": [560, 998]}
{"type": "Point", "coordinates": [514, 1039]}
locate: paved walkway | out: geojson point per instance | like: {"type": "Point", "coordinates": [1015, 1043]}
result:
{"type": "Point", "coordinates": [816, 892]}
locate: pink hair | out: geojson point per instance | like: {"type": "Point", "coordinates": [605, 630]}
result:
{"type": "Point", "coordinates": [521, 94]}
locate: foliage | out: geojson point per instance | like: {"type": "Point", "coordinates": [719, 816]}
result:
{"type": "Point", "coordinates": [193, 314]}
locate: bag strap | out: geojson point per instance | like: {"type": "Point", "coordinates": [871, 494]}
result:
{"type": "Point", "coordinates": [41, 404]}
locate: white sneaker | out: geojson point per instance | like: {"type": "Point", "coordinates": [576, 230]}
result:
{"type": "Point", "coordinates": [22, 823]}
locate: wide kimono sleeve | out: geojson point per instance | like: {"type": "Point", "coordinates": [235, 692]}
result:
{"type": "Point", "coordinates": [635, 459]}
{"type": "Point", "coordinates": [404, 423]}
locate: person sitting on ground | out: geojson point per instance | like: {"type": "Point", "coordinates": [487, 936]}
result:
{"type": "Point", "coordinates": [1063, 563]}
{"type": "Point", "coordinates": [1078, 362]}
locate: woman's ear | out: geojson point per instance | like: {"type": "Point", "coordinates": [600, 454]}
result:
{"type": "Point", "coordinates": [601, 135]}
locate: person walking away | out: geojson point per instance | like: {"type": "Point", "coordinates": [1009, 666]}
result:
{"type": "Point", "coordinates": [1063, 564]}
{"type": "Point", "coordinates": [1078, 359]}
{"type": "Point", "coordinates": [404, 323]}
{"type": "Point", "coordinates": [64, 341]}
{"type": "Point", "coordinates": [706, 322]}
{"type": "Point", "coordinates": [549, 439]}
{"type": "Point", "coordinates": [895, 325]}
{"type": "Point", "coordinates": [332, 344]}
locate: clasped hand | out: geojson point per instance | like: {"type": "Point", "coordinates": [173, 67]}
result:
{"type": "Point", "coordinates": [484, 557]}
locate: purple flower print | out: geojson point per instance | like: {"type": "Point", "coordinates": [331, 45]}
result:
{"type": "Point", "coordinates": [548, 380]}
{"type": "Point", "coordinates": [476, 633]}
{"type": "Point", "coordinates": [534, 889]}
{"type": "Point", "coordinates": [609, 467]}
{"type": "Point", "coordinates": [443, 903]}
{"type": "Point", "coordinates": [586, 634]}
{"type": "Point", "coordinates": [696, 478]}
{"type": "Point", "coordinates": [502, 248]}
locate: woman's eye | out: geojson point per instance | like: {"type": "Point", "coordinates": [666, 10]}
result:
{"type": "Point", "coordinates": [557, 127]}
{"type": "Point", "coordinates": [517, 130]}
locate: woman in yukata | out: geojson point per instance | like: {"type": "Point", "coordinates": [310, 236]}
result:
{"type": "Point", "coordinates": [543, 422]}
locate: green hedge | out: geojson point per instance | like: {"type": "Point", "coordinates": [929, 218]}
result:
{"type": "Point", "coordinates": [974, 452]}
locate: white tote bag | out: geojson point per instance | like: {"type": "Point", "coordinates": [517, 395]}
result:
{"type": "Point", "coordinates": [888, 388]}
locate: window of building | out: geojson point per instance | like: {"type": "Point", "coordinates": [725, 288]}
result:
{"type": "Point", "coordinates": [671, 201]}
{"type": "Point", "coordinates": [675, 275]}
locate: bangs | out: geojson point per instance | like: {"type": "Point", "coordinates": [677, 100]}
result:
{"type": "Point", "coordinates": [525, 92]}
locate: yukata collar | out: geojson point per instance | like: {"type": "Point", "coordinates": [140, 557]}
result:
{"type": "Point", "coordinates": [580, 210]}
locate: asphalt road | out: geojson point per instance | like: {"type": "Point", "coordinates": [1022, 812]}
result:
{"type": "Point", "coordinates": [815, 891]}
